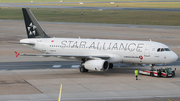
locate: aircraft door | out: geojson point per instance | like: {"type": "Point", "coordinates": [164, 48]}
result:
{"type": "Point", "coordinates": [147, 50]}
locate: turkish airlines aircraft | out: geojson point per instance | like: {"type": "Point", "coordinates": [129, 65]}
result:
{"type": "Point", "coordinates": [95, 54]}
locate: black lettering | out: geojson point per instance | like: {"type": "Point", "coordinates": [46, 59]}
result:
{"type": "Point", "coordinates": [75, 45]}
{"type": "Point", "coordinates": [115, 46]}
{"type": "Point", "coordinates": [130, 48]}
{"type": "Point", "coordinates": [98, 46]}
{"type": "Point", "coordinates": [139, 46]}
{"type": "Point", "coordinates": [109, 46]}
{"type": "Point", "coordinates": [64, 43]}
{"type": "Point", "coordinates": [92, 45]}
{"type": "Point", "coordinates": [122, 47]}
{"type": "Point", "coordinates": [104, 46]}
{"type": "Point", "coordinates": [70, 43]}
{"type": "Point", "coordinates": [82, 44]}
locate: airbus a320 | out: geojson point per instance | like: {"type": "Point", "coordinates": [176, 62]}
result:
{"type": "Point", "coordinates": [95, 54]}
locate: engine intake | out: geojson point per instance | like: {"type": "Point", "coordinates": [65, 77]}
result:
{"type": "Point", "coordinates": [96, 65]}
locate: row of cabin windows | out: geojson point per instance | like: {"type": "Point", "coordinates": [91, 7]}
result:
{"type": "Point", "coordinates": [163, 49]}
{"type": "Point", "coordinates": [70, 46]}
{"type": "Point", "coordinates": [86, 47]}
{"type": "Point", "coordinates": [67, 46]}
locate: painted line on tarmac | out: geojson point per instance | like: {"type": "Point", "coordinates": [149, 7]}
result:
{"type": "Point", "coordinates": [75, 66]}
{"type": "Point", "coordinates": [56, 66]}
{"type": "Point", "coordinates": [59, 66]}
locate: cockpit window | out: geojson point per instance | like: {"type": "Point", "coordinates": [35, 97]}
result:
{"type": "Point", "coordinates": [167, 49]}
{"type": "Point", "coordinates": [163, 49]}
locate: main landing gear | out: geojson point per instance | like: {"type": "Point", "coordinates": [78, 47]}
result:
{"type": "Point", "coordinates": [82, 69]}
{"type": "Point", "coordinates": [110, 65]}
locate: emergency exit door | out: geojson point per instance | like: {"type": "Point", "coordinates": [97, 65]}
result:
{"type": "Point", "coordinates": [147, 50]}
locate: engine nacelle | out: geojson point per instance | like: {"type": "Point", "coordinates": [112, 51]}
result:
{"type": "Point", "coordinates": [96, 65]}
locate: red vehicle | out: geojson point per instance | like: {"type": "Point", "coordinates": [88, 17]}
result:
{"type": "Point", "coordinates": [167, 72]}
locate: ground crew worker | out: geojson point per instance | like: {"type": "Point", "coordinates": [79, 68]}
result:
{"type": "Point", "coordinates": [165, 70]}
{"type": "Point", "coordinates": [136, 74]}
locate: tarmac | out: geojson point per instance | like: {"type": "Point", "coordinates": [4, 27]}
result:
{"type": "Point", "coordinates": [62, 64]}
{"type": "Point", "coordinates": [117, 84]}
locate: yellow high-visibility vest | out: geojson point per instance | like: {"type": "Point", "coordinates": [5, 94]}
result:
{"type": "Point", "coordinates": [136, 72]}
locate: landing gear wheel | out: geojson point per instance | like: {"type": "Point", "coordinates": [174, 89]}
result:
{"type": "Point", "coordinates": [82, 69]}
{"type": "Point", "coordinates": [86, 70]}
{"type": "Point", "coordinates": [110, 66]}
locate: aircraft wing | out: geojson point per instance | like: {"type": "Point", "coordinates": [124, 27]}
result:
{"type": "Point", "coordinates": [64, 55]}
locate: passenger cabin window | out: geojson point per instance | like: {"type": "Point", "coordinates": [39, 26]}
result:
{"type": "Point", "coordinates": [163, 49]}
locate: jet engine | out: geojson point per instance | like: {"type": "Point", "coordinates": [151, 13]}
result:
{"type": "Point", "coordinates": [96, 65]}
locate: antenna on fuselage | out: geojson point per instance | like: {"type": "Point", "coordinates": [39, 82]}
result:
{"type": "Point", "coordinates": [149, 39]}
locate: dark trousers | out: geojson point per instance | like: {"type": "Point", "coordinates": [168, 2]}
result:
{"type": "Point", "coordinates": [136, 77]}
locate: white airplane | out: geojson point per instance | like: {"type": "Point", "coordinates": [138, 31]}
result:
{"type": "Point", "coordinates": [95, 54]}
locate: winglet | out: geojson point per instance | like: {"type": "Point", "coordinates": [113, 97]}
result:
{"type": "Point", "coordinates": [17, 54]}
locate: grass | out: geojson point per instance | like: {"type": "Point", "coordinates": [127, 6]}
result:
{"type": "Point", "coordinates": [21, 1]}
{"type": "Point", "coordinates": [105, 16]}
{"type": "Point", "coordinates": [131, 4]}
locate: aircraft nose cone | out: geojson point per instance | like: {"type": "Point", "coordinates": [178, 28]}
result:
{"type": "Point", "coordinates": [174, 57]}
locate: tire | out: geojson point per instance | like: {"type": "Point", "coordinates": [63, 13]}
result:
{"type": "Point", "coordinates": [86, 70]}
{"type": "Point", "coordinates": [82, 69]}
{"type": "Point", "coordinates": [159, 73]}
{"type": "Point", "coordinates": [151, 74]}
{"type": "Point", "coordinates": [111, 66]}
